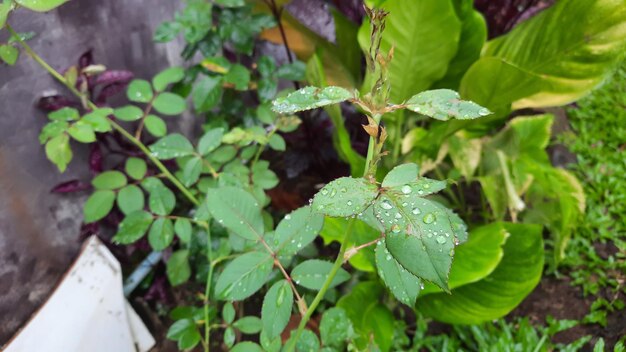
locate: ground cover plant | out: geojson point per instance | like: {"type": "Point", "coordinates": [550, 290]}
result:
{"type": "Point", "coordinates": [463, 246]}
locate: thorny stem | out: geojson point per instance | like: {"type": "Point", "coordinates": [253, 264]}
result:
{"type": "Point", "coordinates": [354, 250]}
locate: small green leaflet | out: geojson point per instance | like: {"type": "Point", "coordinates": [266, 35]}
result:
{"type": "Point", "coordinates": [192, 171]}
{"type": "Point", "coordinates": [404, 285]}
{"type": "Point", "coordinates": [207, 93]}
{"type": "Point", "coordinates": [178, 270]}
{"type": "Point", "coordinates": [155, 125]}
{"type": "Point", "coordinates": [161, 200]}
{"type": "Point", "coordinates": [161, 234]}
{"type": "Point", "coordinates": [59, 152]}
{"type": "Point", "coordinates": [109, 180]}
{"type": "Point", "coordinates": [185, 332]}
{"type": "Point", "coordinates": [40, 5]}
{"type": "Point", "coordinates": [133, 227]}
{"type": "Point", "coordinates": [8, 53]}
{"type": "Point", "coordinates": [64, 114]}
{"type": "Point", "coordinates": [135, 168]}
{"type": "Point", "coordinates": [345, 196]}
{"type": "Point", "coordinates": [308, 341]}
{"type": "Point", "coordinates": [296, 231]}
{"type": "Point", "coordinates": [336, 328]}
{"type": "Point", "coordinates": [312, 274]}
{"type": "Point", "coordinates": [97, 119]}
{"type": "Point", "coordinates": [442, 104]}
{"type": "Point", "coordinates": [276, 309]}
{"type": "Point", "coordinates": [169, 104]}
{"type": "Point", "coordinates": [239, 76]}
{"type": "Point", "coordinates": [310, 98]}
{"type": "Point", "coordinates": [244, 276]}
{"type": "Point", "coordinates": [183, 229]}
{"type": "Point", "coordinates": [237, 210]}
{"type": "Point", "coordinates": [166, 77]}
{"type": "Point", "coordinates": [98, 205]}
{"type": "Point", "coordinates": [139, 91]}
{"type": "Point", "coordinates": [128, 113]}
{"type": "Point", "coordinates": [248, 325]}
{"type": "Point", "coordinates": [172, 146]}
{"type": "Point", "coordinates": [210, 140]}
{"type": "Point", "coordinates": [228, 313]}
{"type": "Point", "coordinates": [130, 199]}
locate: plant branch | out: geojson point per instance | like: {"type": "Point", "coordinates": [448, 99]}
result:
{"type": "Point", "coordinates": [143, 118]}
{"type": "Point", "coordinates": [354, 250]}
{"type": "Point", "coordinates": [277, 13]}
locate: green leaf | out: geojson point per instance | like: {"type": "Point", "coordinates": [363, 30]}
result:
{"type": "Point", "coordinates": [210, 140]}
{"type": "Point", "coordinates": [312, 274]}
{"type": "Point", "coordinates": [64, 114]}
{"type": "Point", "coordinates": [496, 295]}
{"type": "Point", "coordinates": [465, 153]}
{"type": "Point", "coordinates": [277, 142]}
{"type": "Point", "coordinates": [237, 210]}
{"type": "Point", "coordinates": [230, 3]}
{"type": "Point", "coordinates": [185, 332]}
{"type": "Point", "coordinates": [169, 104]}
{"type": "Point", "coordinates": [262, 176]}
{"type": "Point", "coordinates": [276, 309]}
{"type": "Point", "coordinates": [401, 175]}
{"type": "Point", "coordinates": [59, 152]}
{"type": "Point", "coordinates": [442, 104]}
{"type": "Point", "coordinates": [307, 342]}
{"type": "Point", "coordinates": [310, 98]}
{"type": "Point", "coordinates": [229, 337]}
{"type": "Point", "coordinates": [249, 325]}
{"type": "Point", "coordinates": [133, 227]}
{"type": "Point", "coordinates": [97, 119]}
{"type": "Point", "coordinates": [228, 313]}
{"type": "Point", "coordinates": [177, 268]}
{"type": "Point", "coordinates": [207, 93]}
{"type": "Point", "coordinates": [380, 322]}
{"type": "Point", "coordinates": [161, 200]}
{"type": "Point", "coordinates": [166, 77]}
{"type": "Point", "coordinates": [161, 234]}
{"type": "Point", "coordinates": [564, 65]}
{"type": "Point", "coordinates": [109, 180]}
{"type": "Point", "coordinates": [5, 9]}
{"type": "Point", "coordinates": [265, 114]}
{"type": "Point", "coordinates": [128, 113]}
{"type": "Point", "coordinates": [244, 276]}
{"type": "Point", "coordinates": [136, 168]}
{"type": "Point", "coordinates": [41, 5]}
{"type": "Point", "coordinates": [425, 36]}
{"type": "Point", "coordinates": [182, 228]}
{"type": "Point", "coordinates": [292, 72]}
{"type": "Point", "coordinates": [192, 171]}
{"type": "Point", "coordinates": [345, 196]}
{"type": "Point", "coordinates": [296, 231]}
{"type": "Point", "coordinates": [51, 130]}
{"type": "Point", "coordinates": [130, 199]}
{"type": "Point", "coordinates": [335, 328]}
{"type": "Point", "coordinates": [402, 283]}
{"type": "Point", "coordinates": [239, 76]}
{"type": "Point", "coordinates": [172, 146]}
{"type": "Point", "coordinates": [167, 31]}
{"type": "Point", "coordinates": [82, 132]}
{"type": "Point", "coordinates": [155, 125]}
{"type": "Point", "coordinates": [9, 54]}
{"type": "Point", "coordinates": [140, 91]}
{"type": "Point", "coordinates": [245, 346]}
{"type": "Point", "coordinates": [98, 205]}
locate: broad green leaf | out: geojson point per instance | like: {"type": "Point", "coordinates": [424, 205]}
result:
{"type": "Point", "coordinates": [41, 5]}
{"type": "Point", "coordinates": [169, 104]}
{"type": "Point", "coordinates": [312, 274]}
{"type": "Point", "coordinates": [335, 230]}
{"type": "Point", "coordinates": [183, 229]}
{"type": "Point", "coordinates": [380, 322]}
{"type": "Point", "coordinates": [228, 313]}
{"type": "Point", "coordinates": [345, 196]}
{"type": "Point", "coordinates": [239, 76]}
{"type": "Point", "coordinates": [133, 227]}
{"type": "Point", "coordinates": [5, 8]}
{"type": "Point", "coordinates": [296, 231]}
{"type": "Point", "coordinates": [262, 176]}
{"type": "Point", "coordinates": [82, 132]}
{"type": "Point", "coordinates": [161, 200]}
{"type": "Point", "coordinates": [192, 171]}
{"type": "Point", "coordinates": [476, 258]}
{"type": "Point", "coordinates": [109, 180]}
{"type": "Point", "coordinates": [496, 295]}
{"type": "Point", "coordinates": [248, 325]}
{"type": "Point", "coordinates": [140, 91]}
{"type": "Point", "coordinates": [58, 151]}
{"type": "Point", "coordinates": [538, 64]}
{"type": "Point", "coordinates": [51, 130]}
{"type": "Point", "coordinates": [402, 283]}
{"type": "Point", "coordinates": [8, 54]}
{"type": "Point", "coordinates": [97, 119]}
{"type": "Point", "coordinates": [136, 168]}
{"type": "Point", "coordinates": [244, 276]}
{"type": "Point", "coordinates": [335, 328]}
{"type": "Point", "coordinates": [237, 210]}
{"type": "Point", "coordinates": [276, 309]}
{"type": "Point", "coordinates": [310, 98]}
{"type": "Point", "coordinates": [172, 146]}
{"type": "Point", "coordinates": [307, 341]}
{"type": "Point", "coordinates": [277, 142]}
{"type": "Point", "coordinates": [128, 113]}
{"type": "Point", "coordinates": [64, 114]}
{"type": "Point", "coordinates": [166, 77]}
{"type": "Point", "coordinates": [98, 205]}
{"type": "Point", "coordinates": [207, 93]}
{"type": "Point", "coordinates": [130, 199]}
{"type": "Point", "coordinates": [161, 234]}
{"type": "Point", "coordinates": [246, 346]}
{"type": "Point", "coordinates": [177, 268]}
{"type": "Point", "coordinates": [442, 104]}
{"type": "Point", "coordinates": [425, 36]}
{"type": "Point", "coordinates": [210, 140]}
{"type": "Point", "coordinates": [155, 125]}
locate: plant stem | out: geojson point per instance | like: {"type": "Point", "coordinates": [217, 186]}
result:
{"type": "Point", "coordinates": [207, 293]}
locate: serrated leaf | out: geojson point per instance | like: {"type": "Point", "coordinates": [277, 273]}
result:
{"type": "Point", "coordinates": [64, 114]}
{"type": "Point", "coordinates": [210, 140]}
{"type": "Point", "coordinates": [177, 268]}
{"type": "Point", "coordinates": [130, 199]}
{"type": "Point", "coordinates": [443, 104]}
{"type": "Point", "coordinates": [345, 196]}
{"type": "Point", "coordinates": [249, 325]}
{"type": "Point", "coordinates": [312, 274]}
{"type": "Point", "coordinates": [161, 234]}
{"type": "Point", "coordinates": [335, 328]}
{"type": "Point", "coordinates": [403, 284]}
{"type": "Point", "coordinates": [296, 231]}
{"type": "Point", "coordinates": [169, 104]}
{"type": "Point", "coordinates": [155, 125]}
{"type": "Point", "coordinates": [133, 227]}
{"type": "Point", "coordinates": [136, 168]}
{"type": "Point", "coordinates": [276, 309]}
{"type": "Point", "coordinates": [166, 77]}
{"type": "Point", "coordinates": [237, 210]}
{"type": "Point", "coordinates": [140, 91]}
{"type": "Point", "coordinates": [207, 93]}
{"type": "Point", "coordinates": [41, 5]}
{"type": "Point", "coordinates": [244, 276]}
{"type": "Point", "coordinates": [401, 175]}
{"type": "Point", "coordinates": [183, 229]}
{"type": "Point", "coordinates": [310, 98]}
{"type": "Point", "coordinates": [97, 119]}
{"type": "Point", "coordinates": [51, 130]}
{"type": "Point", "coordinates": [109, 180]}
{"type": "Point", "coordinates": [98, 205]}
{"type": "Point", "coordinates": [128, 113]}
{"type": "Point", "coordinates": [161, 200]}
{"type": "Point", "coordinates": [58, 151]}
{"type": "Point", "coordinates": [172, 146]}
{"type": "Point", "coordinates": [192, 171]}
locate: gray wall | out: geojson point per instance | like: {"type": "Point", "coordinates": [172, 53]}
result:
{"type": "Point", "coordinates": [39, 230]}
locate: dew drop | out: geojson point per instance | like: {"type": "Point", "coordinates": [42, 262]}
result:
{"type": "Point", "coordinates": [406, 189]}
{"type": "Point", "coordinates": [324, 191]}
{"type": "Point", "coordinates": [333, 192]}
{"type": "Point", "coordinates": [386, 204]}
{"type": "Point", "coordinates": [416, 211]}
{"type": "Point", "coordinates": [429, 218]}
{"type": "Point", "coordinates": [395, 228]}
{"type": "Point", "coordinates": [288, 217]}
{"type": "Point", "coordinates": [441, 239]}
{"type": "Point", "coordinates": [349, 203]}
